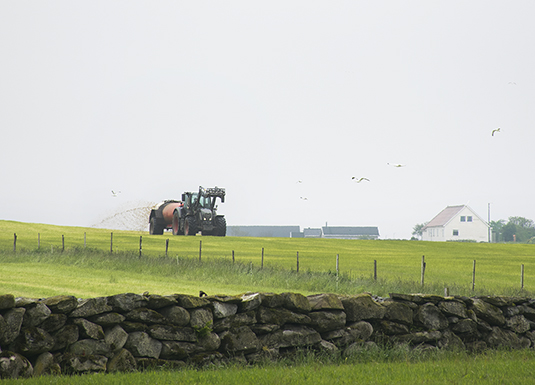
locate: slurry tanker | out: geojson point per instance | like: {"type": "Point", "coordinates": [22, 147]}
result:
{"type": "Point", "coordinates": [197, 211]}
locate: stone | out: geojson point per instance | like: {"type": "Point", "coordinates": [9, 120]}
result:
{"type": "Point", "coordinates": [503, 339]}
{"type": "Point", "coordinates": [240, 340]}
{"type": "Point", "coordinates": [190, 301]}
{"type": "Point", "coordinates": [90, 347]}
{"type": "Point", "coordinates": [12, 322]}
{"type": "Point", "coordinates": [176, 315]}
{"type": "Point", "coordinates": [14, 365]}
{"type": "Point", "coordinates": [296, 302]}
{"type": "Point", "coordinates": [398, 312]}
{"type": "Point", "coordinates": [281, 316]}
{"type": "Point", "coordinates": [146, 316]}
{"type": "Point", "coordinates": [62, 304]}
{"type": "Point", "coordinates": [393, 328]}
{"type": "Point", "coordinates": [127, 302]}
{"type": "Point", "coordinates": [32, 341]}
{"type": "Point", "coordinates": [208, 342]}
{"type": "Point", "coordinates": [361, 330]}
{"type": "Point", "coordinates": [35, 314]}
{"type": "Point", "coordinates": [249, 301]}
{"type": "Point", "coordinates": [116, 338]}
{"type": "Point", "coordinates": [53, 323]}
{"type": "Point", "coordinates": [65, 336]}
{"type": "Point", "coordinates": [271, 300]}
{"type": "Point", "coordinates": [453, 308]}
{"type": "Point", "coordinates": [7, 301]}
{"type": "Point", "coordinates": [172, 333]}
{"type": "Point", "coordinates": [325, 302]}
{"type": "Point", "coordinates": [260, 329]}
{"type": "Point", "coordinates": [123, 362]}
{"type": "Point", "coordinates": [159, 301]}
{"type": "Point", "coordinates": [362, 307]}
{"type": "Point", "coordinates": [176, 350]}
{"type": "Point", "coordinates": [237, 320]}
{"type": "Point", "coordinates": [357, 348]}
{"type": "Point", "coordinates": [326, 347]}
{"type": "Point", "coordinates": [450, 341]}
{"type": "Point", "coordinates": [45, 365]}
{"type": "Point", "coordinates": [518, 323]}
{"type": "Point", "coordinates": [222, 310]}
{"type": "Point", "coordinates": [92, 306]}
{"type": "Point", "coordinates": [327, 320]}
{"type": "Point", "coordinates": [76, 364]}
{"type": "Point", "coordinates": [488, 312]}
{"type": "Point", "coordinates": [465, 326]}
{"type": "Point", "coordinates": [291, 336]}
{"type": "Point", "coordinates": [89, 329]}
{"type": "Point", "coordinates": [108, 319]}
{"type": "Point", "coordinates": [431, 317]}
{"type": "Point", "coordinates": [420, 337]}
{"type": "Point", "coordinates": [201, 317]}
{"type": "Point", "coordinates": [140, 344]}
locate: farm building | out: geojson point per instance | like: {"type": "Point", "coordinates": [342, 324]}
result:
{"type": "Point", "coordinates": [456, 223]}
{"type": "Point", "coordinates": [350, 232]}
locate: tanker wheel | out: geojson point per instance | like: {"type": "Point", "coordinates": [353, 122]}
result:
{"type": "Point", "coordinates": [155, 228]}
{"type": "Point", "coordinates": [176, 225]}
{"type": "Point", "coordinates": [220, 226]}
{"type": "Point", "coordinates": [189, 226]}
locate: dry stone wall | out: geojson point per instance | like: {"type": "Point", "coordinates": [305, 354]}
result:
{"type": "Point", "coordinates": [128, 332]}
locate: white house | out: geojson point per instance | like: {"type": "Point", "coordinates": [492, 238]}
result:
{"type": "Point", "coordinates": [456, 223]}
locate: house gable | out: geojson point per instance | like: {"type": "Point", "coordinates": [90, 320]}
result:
{"type": "Point", "coordinates": [456, 223]}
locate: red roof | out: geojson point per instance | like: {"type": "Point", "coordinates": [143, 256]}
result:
{"type": "Point", "coordinates": [445, 216]}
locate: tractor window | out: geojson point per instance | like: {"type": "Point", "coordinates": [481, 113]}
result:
{"type": "Point", "coordinates": [206, 202]}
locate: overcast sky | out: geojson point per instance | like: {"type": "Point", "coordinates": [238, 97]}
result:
{"type": "Point", "coordinates": [153, 98]}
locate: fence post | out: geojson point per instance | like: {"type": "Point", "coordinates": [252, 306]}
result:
{"type": "Point", "coordinates": [474, 276]}
{"type": "Point", "coordinates": [38, 241]}
{"type": "Point", "coordinates": [337, 264]}
{"type": "Point", "coordinates": [375, 269]}
{"type": "Point", "coordinates": [522, 277]}
{"type": "Point", "coordinates": [262, 263]}
{"type": "Point", "coordinates": [140, 240]}
{"type": "Point", "coordinates": [446, 292]}
{"type": "Point", "coordinates": [111, 242]}
{"type": "Point", "coordinates": [14, 242]}
{"type": "Point", "coordinates": [232, 256]}
{"type": "Point", "coordinates": [62, 242]}
{"type": "Point", "coordinates": [423, 269]}
{"type": "Point", "coordinates": [200, 250]}
{"type": "Point", "coordinates": [166, 246]}
{"type": "Point", "coordinates": [298, 261]}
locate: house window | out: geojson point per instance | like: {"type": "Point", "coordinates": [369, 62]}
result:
{"type": "Point", "coordinates": [463, 219]}
{"type": "Point", "coordinates": [469, 219]}
{"type": "Point", "coordinates": [455, 232]}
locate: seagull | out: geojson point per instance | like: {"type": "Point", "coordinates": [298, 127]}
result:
{"type": "Point", "coordinates": [299, 181]}
{"type": "Point", "coordinates": [396, 165]}
{"type": "Point", "coordinates": [495, 130]}
{"type": "Point", "coordinates": [115, 193]}
{"type": "Point", "coordinates": [303, 198]}
{"type": "Point", "coordinates": [359, 180]}
{"type": "Point", "coordinates": [512, 83]}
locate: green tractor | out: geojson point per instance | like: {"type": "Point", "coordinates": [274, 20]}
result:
{"type": "Point", "coordinates": [198, 212]}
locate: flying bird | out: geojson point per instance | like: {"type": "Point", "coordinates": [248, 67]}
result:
{"type": "Point", "coordinates": [299, 181]}
{"type": "Point", "coordinates": [396, 165]}
{"type": "Point", "coordinates": [115, 193]}
{"type": "Point", "coordinates": [360, 179]}
{"type": "Point", "coordinates": [303, 198]}
{"type": "Point", "coordinates": [495, 130]}
{"type": "Point", "coordinates": [512, 83]}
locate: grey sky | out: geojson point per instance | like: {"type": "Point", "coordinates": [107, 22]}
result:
{"type": "Point", "coordinates": [155, 98]}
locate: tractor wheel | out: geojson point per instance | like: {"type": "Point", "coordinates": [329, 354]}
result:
{"type": "Point", "coordinates": [176, 224]}
{"type": "Point", "coordinates": [155, 228]}
{"type": "Point", "coordinates": [220, 226]}
{"type": "Point", "coordinates": [189, 226]}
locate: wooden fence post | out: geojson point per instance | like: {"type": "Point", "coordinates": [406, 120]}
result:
{"type": "Point", "coordinates": [233, 256]}
{"type": "Point", "coordinates": [14, 242]}
{"type": "Point", "coordinates": [337, 264]}
{"type": "Point", "coordinates": [166, 246]}
{"type": "Point", "coordinates": [375, 269]}
{"type": "Point", "coordinates": [522, 277]}
{"type": "Point", "coordinates": [298, 261]}
{"type": "Point", "coordinates": [140, 240]}
{"type": "Point", "coordinates": [111, 242]}
{"type": "Point", "coordinates": [62, 242]}
{"type": "Point", "coordinates": [474, 276]}
{"type": "Point", "coordinates": [262, 263]}
{"type": "Point", "coordinates": [200, 250]}
{"type": "Point", "coordinates": [423, 269]}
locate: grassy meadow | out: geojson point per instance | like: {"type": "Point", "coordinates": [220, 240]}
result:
{"type": "Point", "coordinates": [67, 267]}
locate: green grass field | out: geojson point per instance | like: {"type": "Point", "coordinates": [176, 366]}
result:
{"type": "Point", "coordinates": [94, 270]}
{"type": "Point", "coordinates": [448, 264]}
